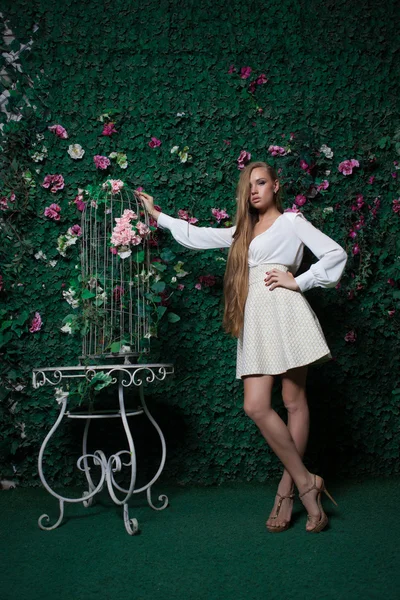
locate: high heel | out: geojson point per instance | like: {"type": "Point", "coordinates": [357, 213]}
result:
{"type": "Point", "coordinates": [323, 520]}
{"type": "Point", "coordinates": [278, 508]}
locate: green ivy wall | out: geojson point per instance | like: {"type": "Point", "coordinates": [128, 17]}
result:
{"type": "Point", "coordinates": [333, 78]}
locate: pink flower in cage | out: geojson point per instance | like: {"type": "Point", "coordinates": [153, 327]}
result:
{"type": "Point", "coordinates": [142, 228]}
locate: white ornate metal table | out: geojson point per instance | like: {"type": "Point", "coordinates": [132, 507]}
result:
{"type": "Point", "coordinates": [125, 375]}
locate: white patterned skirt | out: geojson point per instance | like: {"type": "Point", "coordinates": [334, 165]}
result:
{"type": "Point", "coordinates": [280, 331]}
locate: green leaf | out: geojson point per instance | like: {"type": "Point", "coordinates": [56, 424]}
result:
{"type": "Point", "coordinates": [173, 318]}
{"type": "Point", "coordinates": [86, 294]}
{"type": "Point", "coordinates": [115, 346]}
{"type": "Point", "coordinates": [158, 287]}
{"type": "Point", "coordinates": [161, 310]}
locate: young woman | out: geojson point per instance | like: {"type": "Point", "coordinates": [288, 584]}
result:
{"type": "Point", "coordinates": [278, 332]}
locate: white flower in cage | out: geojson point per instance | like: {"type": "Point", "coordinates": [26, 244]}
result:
{"type": "Point", "coordinates": [147, 335]}
{"type": "Point", "coordinates": [76, 151]}
{"type": "Point", "coordinates": [66, 328]}
{"type": "Point", "coordinates": [124, 253]}
{"type": "Point", "coordinates": [69, 297]}
{"type": "Point", "coordinates": [102, 296]}
{"type": "Point", "coordinates": [125, 349]}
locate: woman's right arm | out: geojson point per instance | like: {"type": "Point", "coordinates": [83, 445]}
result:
{"type": "Point", "coordinates": [190, 236]}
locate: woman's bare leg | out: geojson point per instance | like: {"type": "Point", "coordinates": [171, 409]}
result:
{"type": "Point", "coordinates": [298, 423]}
{"type": "Point", "coordinates": [257, 405]}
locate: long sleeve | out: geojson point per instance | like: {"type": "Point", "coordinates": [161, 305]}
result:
{"type": "Point", "coordinates": [332, 257]}
{"type": "Point", "coordinates": [196, 238]}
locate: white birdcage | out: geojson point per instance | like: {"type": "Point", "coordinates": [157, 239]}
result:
{"type": "Point", "coordinates": [115, 276]}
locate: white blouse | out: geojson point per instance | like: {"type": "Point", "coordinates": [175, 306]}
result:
{"type": "Point", "coordinates": [282, 243]}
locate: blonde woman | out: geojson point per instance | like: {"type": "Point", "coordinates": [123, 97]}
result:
{"type": "Point", "coordinates": [278, 332]}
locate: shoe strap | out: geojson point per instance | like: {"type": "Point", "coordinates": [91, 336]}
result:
{"type": "Point", "coordinates": [278, 508]}
{"type": "Point", "coordinates": [313, 487]}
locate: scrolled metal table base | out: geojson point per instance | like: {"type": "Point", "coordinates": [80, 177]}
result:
{"type": "Point", "coordinates": [125, 375]}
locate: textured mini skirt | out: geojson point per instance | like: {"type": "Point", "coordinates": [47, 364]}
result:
{"type": "Point", "coordinates": [280, 330]}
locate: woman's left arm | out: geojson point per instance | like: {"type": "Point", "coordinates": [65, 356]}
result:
{"type": "Point", "coordinates": [332, 257]}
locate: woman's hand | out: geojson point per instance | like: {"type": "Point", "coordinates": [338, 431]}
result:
{"type": "Point", "coordinates": [148, 202]}
{"type": "Point", "coordinates": [283, 279]}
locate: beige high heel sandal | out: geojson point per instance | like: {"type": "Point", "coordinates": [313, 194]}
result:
{"type": "Point", "coordinates": [278, 508]}
{"type": "Point", "coordinates": [323, 521]}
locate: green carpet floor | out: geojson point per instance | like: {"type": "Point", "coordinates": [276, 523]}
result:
{"type": "Point", "coordinates": [210, 543]}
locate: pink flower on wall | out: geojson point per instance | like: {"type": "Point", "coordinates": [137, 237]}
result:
{"type": "Point", "coordinates": [356, 249]}
{"type": "Point", "coordinates": [198, 286]}
{"type": "Point", "coordinates": [232, 69]}
{"type": "Point", "coordinates": [243, 159]}
{"type": "Point", "coordinates": [261, 79]}
{"type": "Point", "coordinates": [219, 214]}
{"type": "Point", "coordinates": [154, 142]}
{"type": "Point", "coordinates": [3, 203]}
{"type": "Point", "coordinates": [346, 166]}
{"type": "Point", "coordinates": [351, 336]}
{"type": "Point", "coordinates": [300, 200]}
{"type": "Point", "coordinates": [101, 162]}
{"type": "Point", "coordinates": [396, 206]}
{"type": "Point", "coordinates": [59, 131]}
{"type": "Point", "coordinates": [76, 230]}
{"type": "Point", "coordinates": [293, 209]}
{"type": "Point", "coordinates": [54, 182]}
{"type": "Point", "coordinates": [1, 283]}
{"type": "Point", "coordinates": [323, 185]}
{"type": "Point", "coordinates": [276, 150]}
{"type": "Point", "coordinates": [183, 214]}
{"type": "Point", "coordinates": [79, 202]}
{"type": "Point", "coordinates": [245, 72]}
{"type": "Point", "coordinates": [207, 280]}
{"type": "Point", "coordinates": [109, 129]}
{"type": "Point", "coordinates": [36, 324]}
{"type": "Point", "coordinates": [53, 212]}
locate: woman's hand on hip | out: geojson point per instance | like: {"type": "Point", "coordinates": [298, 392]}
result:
{"type": "Point", "coordinates": [276, 278]}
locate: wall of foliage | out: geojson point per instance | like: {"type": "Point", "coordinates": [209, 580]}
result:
{"type": "Point", "coordinates": [176, 94]}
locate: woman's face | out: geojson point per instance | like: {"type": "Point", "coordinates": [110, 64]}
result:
{"type": "Point", "coordinates": [262, 188]}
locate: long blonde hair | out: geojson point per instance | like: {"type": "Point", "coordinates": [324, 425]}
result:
{"type": "Point", "coordinates": [236, 280]}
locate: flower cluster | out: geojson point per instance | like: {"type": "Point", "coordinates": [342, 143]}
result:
{"type": "Point", "coordinates": [70, 297]}
{"type": "Point", "coordinates": [59, 131]}
{"type": "Point", "coordinates": [244, 158]}
{"type": "Point", "coordinates": [277, 151]}
{"type": "Point", "coordinates": [39, 156]}
{"type": "Point", "coordinates": [125, 234]}
{"type": "Point", "coordinates": [54, 182]}
{"type": "Point", "coordinates": [101, 162]}
{"type": "Point", "coordinates": [53, 212]}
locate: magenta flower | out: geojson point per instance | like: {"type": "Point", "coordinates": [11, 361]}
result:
{"type": "Point", "coordinates": [53, 212]}
{"type": "Point", "coordinates": [300, 200]}
{"type": "Point", "coordinates": [3, 203]}
{"type": "Point", "coordinates": [219, 214]}
{"type": "Point", "coordinates": [323, 185]}
{"type": "Point", "coordinates": [207, 280]}
{"type": "Point", "coordinates": [227, 142]}
{"type": "Point", "coordinates": [352, 235]}
{"type": "Point", "coordinates": [391, 313]}
{"type": "Point", "coordinates": [59, 131]}
{"type": "Point", "coordinates": [261, 79]}
{"type": "Point", "coordinates": [350, 336]}
{"type": "Point", "coordinates": [180, 286]}
{"type": "Point", "coordinates": [356, 249]}
{"type": "Point", "coordinates": [252, 87]}
{"type": "Point", "coordinates": [1, 283]}
{"type": "Point", "coordinates": [346, 166]}
{"type": "Point", "coordinates": [76, 230]}
{"type": "Point", "coordinates": [293, 209]}
{"type": "Point", "coordinates": [80, 203]}
{"type": "Point", "coordinates": [36, 323]}
{"type": "Point", "coordinates": [183, 214]}
{"type": "Point", "coordinates": [109, 129]}
{"type": "Point", "coordinates": [198, 286]}
{"type": "Point", "coordinates": [101, 162]}
{"type": "Point", "coordinates": [277, 151]}
{"type": "Point", "coordinates": [154, 142]}
{"type": "Point", "coordinates": [390, 281]}
{"type": "Point", "coordinates": [245, 72]}
{"type": "Point", "coordinates": [396, 206]}
{"type": "Point", "coordinates": [371, 179]}
{"type": "Point", "coordinates": [243, 159]}
{"type": "Point", "coordinates": [54, 182]}
{"type": "Point", "coordinates": [232, 69]}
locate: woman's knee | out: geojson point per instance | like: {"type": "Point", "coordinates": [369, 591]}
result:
{"type": "Point", "coordinates": [255, 408]}
{"type": "Point", "coordinates": [295, 401]}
